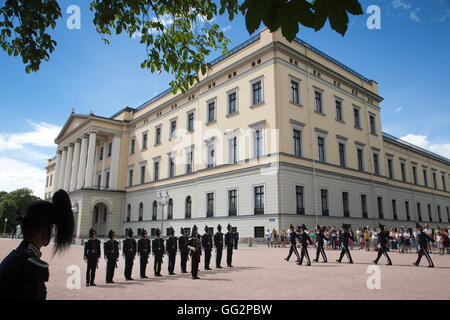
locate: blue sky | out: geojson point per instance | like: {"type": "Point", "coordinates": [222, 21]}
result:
{"type": "Point", "coordinates": [408, 57]}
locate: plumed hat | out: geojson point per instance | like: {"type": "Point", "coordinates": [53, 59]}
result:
{"type": "Point", "coordinates": [182, 231]}
{"type": "Point", "coordinates": [291, 226]}
{"type": "Point", "coordinates": [229, 227]}
{"type": "Point", "coordinates": [194, 230]}
{"type": "Point", "coordinates": [158, 232]}
{"type": "Point", "coordinates": [144, 232]}
{"type": "Point", "coordinates": [304, 227]}
{"type": "Point", "coordinates": [92, 232]}
{"type": "Point", "coordinates": [206, 228]}
{"type": "Point", "coordinates": [171, 231]}
{"type": "Point", "coordinates": [381, 226]}
{"type": "Point", "coordinates": [219, 227]}
{"type": "Point", "coordinates": [319, 227]}
{"type": "Point", "coordinates": [111, 233]}
{"type": "Point", "coordinates": [130, 232]}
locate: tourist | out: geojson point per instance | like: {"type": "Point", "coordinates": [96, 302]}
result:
{"type": "Point", "coordinates": [367, 238]}
{"type": "Point", "coordinates": [407, 240]}
{"type": "Point", "coordinates": [268, 238]}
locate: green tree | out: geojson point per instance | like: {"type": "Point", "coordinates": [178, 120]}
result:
{"type": "Point", "coordinates": [178, 35]}
{"type": "Point", "coordinates": [13, 205]}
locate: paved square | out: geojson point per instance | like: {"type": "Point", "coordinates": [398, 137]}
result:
{"type": "Point", "coordinates": [259, 273]}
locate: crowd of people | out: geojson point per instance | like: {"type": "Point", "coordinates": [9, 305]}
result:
{"type": "Point", "coordinates": [401, 239]}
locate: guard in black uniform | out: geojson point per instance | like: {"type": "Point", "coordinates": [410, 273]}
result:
{"type": "Point", "coordinates": [218, 243]}
{"type": "Point", "coordinates": [236, 239]}
{"type": "Point", "coordinates": [207, 243]}
{"type": "Point", "coordinates": [171, 247]}
{"type": "Point", "coordinates": [91, 256]}
{"type": "Point", "coordinates": [184, 251]}
{"type": "Point", "coordinates": [158, 253]}
{"type": "Point", "coordinates": [345, 235]}
{"type": "Point", "coordinates": [423, 239]}
{"type": "Point", "coordinates": [293, 240]}
{"type": "Point", "coordinates": [195, 246]}
{"type": "Point", "coordinates": [143, 252]}
{"type": "Point", "coordinates": [305, 239]}
{"type": "Point", "coordinates": [383, 237]}
{"type": "Point", "coordinates": [320, 236]}
{"type": "Point", "coordinates": [22, 273]}
{"type": "Point", "coordinates": [229, 243]}
{"type": "Point", "coordinates": [111, 252]}
{"type": "Point", "coordinates": [129, 253]}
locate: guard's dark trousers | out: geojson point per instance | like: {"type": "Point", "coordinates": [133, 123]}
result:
{"type": "Point", "coordinates": [157, 265]}
{"type": "Point", "coordinates": [171, 266]}
{"type": "Point", "coordinates": [218, 257]}
{"type": "Point", "coordinates": [128, 267]}
{"type": "Point", "coordinates": [207, 258]}
{"type": "Point", "coordinates": [293, 248]}
{"type": "Point", "coordinates": [110, 268]}
{"type": "Point", "coordinates": [304, 253]}
{"type": "Point", "coordinates": [382, 251]}
{"type": "Point", "coordinates": [90, 271]}
{"type": "Point", "coordinates": [424, 252]}
{"type": "Point", "coordinates": [320, 250]}
{"type": "Point", "coordinates": [345, 251]}
{"type": "Point", "coordinates": [144, 262]}
{"type": "Point", "coordinates": [184, 257]}
{"type": "Point", "coordinates": [229, 255]}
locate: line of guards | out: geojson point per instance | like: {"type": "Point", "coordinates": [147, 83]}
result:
{"type": "Point", "coordinates": [188, 246]}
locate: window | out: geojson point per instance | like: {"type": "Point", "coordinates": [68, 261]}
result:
{"type": "Point", "coordinates": [403, 169]}
{"type": "Point", "coordinates": [142, 174]}
{"type": "Point", "coordinates": [232, 143]}
{"type": "Point", "coordinates": [414, 168]}
{"type": "Point", "coordinates": [425, 177]}
{"type": "Point", "coordinates": [188, 208]}
{"type": "Point", "coordinates": [211, 112]}
{"type": "Point", "coordinates": [259, 200]}
{"type": "Point", "coordinates": [318, 101]}
{"type": "Point", "coordinates": [394, 209]}
{"type": "Point", "coordinates": [51, 180]}
{"type": "Point", "coordinates": [46, 182]}
{"type": "Point", "coordinates": [170, 210]}
{"type": "Point", "coordinates": [339, 115]}
{"type": "Point", "coordinates": [130, 177]}
{"type": "Point", "coordinates": [155, 170]}
{"type": "Point", "coordinates": [419, 211]}
{"type": "Point", "coordinates": [295, 94]}
{"type": "Point", "coordinates": [297, 139]}
{"type": "Point", "coordinates": [109, 149]}
{"type": "Point", "coordinates": [190, 122]}
{"type": "Point", "coordinates": [357, 118]}
{"type": "Point", "coordinates": [107, 180]}
{"type": "Point", "coordinates": [360, 154]}
{"type": "Point", "coordinates": [345, 204]}
{"type": "Point", "coordinates": [430, 215]}
{"type": "Point", "coordinates": [324, 201]}
{"type": "Point", "coordinates": [171, 168]}
{"type": "Point", "coordinates": [189, 160]}
{"type": "Point", "coordinates": [299, 200]}
{"type": "Point", "coordinates": [132, 145]}
{"type": "Point", "coordinates": [101, 153]}
{"type": "Point", "coordinates": [434, 180]}
{"type": "Point", "coordinates": [158, 135]}
{"type": "Point", "coordinates": [210, 155]}
{"type": "Point", "coordinates": [129, 213]}
{"type": "Point", "coordinates": [232, 102]}
{"type": "Point", "coordinates": [141, 211]}
{"type": "Point", "coordinates": [376, 164]}
{"type": "Point", "coordinates": [173, 129]}
{"type": "Point", "coordinates": [380, 207]}
{"type": "Point", "coordinates": [390, 168]}
{"type": "Point", "coordinates": [439, 213]}
{"type": "Point", "coordinates": [342, 154]}
{"type": "Point", "coordinates": [259, 232]}
{"type": "Point", "coordinates": [155, 211]}
{"type": "Point", "coordinates": [408, 215]}
{"type": "Point", "coordinates": [373, 128]}
{"type": "Point", "coordinates": [364, 206]}
{"type": "Point", "coordinates": [444, 185]}
{"type": "Point", "coordinates": [210, 205]}
{"type": "Point", "coordinates": [257, 92]}
{"type": "Point", "coordinates": [99, 181]}
{"type": "Point", "coordinates": [321, 148]}
{"type": "Point", "coordinates": [144, 141]}
{"type": "Point", "coordinates": [232, 203]}
{"type": "Point", "coordinates": [257, 143]}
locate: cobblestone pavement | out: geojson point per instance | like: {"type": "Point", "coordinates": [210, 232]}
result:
{"type": "Point", "coordinates": [258, 273]}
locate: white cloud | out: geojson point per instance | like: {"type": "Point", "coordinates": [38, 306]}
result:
{"type": "Point", "coordinates": [398, 109]}
{"type": "Point", "coordinates": [422, 141]}
{"type": "Point", "coordinates": [413, 15]}
{"type": "Point", "coordinates": [445, 16]}
{"type": "Point", "coordinates": [402, 5]}
{"type": "Point", "coordinates": [42, 135]}
{"type": "Point", "coordinates": [225, 29]}
{"type": "Point", "coordinates": [16, 174]}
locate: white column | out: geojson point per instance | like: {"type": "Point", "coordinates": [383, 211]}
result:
{"type": "Point", "coordinates": [76, 163]}
{"type": "Point", "coordinates": [62, 169]}
{"type": "Point", "coordinates": [56, 175]}
{"type": "Point", "coordinates": [114, 172]}
{"type": "Point", "coordinates": [90, 160]}
{"type": "Point", "coordinates": [94, 176]}
{"type": "Point", "coordinates": [103, 181]}
{"type": "Point", "coordinates": [82, 165]}
{"type": "Point", "coordinates": [68, 170]}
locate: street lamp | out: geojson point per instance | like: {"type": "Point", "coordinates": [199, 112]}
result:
{"type": "Point", "coordinates": [4, 230]}
{"type": "Point", "coordinates": [163, 199]}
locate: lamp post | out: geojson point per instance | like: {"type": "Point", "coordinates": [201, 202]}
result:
{"type": "Point", "coordinates": [163, 199]}
{"type": "Point", "coordinates": [4, 230]}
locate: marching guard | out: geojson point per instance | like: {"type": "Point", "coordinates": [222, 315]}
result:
{"type": "Point", "coordinates": [218, 243]}
{"type": "Point", "coordinates": [320, 236]}
{"type": "Point", "coordinates": [423, 243]}
{"type": "Point", "coordinates": [383, 237]}
{"type": "Point", "coordinates": [345, 237]}
{"type": "Point", "coordinates": [144, 248]}
{"type": "Point", "coordinates": [207, 246]}
{"type": "Point", "coordinates": [184, 251]}
{"type": "Point", "coordinates": [229, 243]}
{"type": "Point", "coordinates": [236, 239]}
{"type": "Point", "coordinates": [91, 256]}
{"type": "Point", "coordinates": [158, 253]}
{"type": "Point", "coordinates": [195, 247]}
{"type": "Point", "coordinates": [22, 273]}
{"type": "Point", "coordinates": [129, 253]}
{"type": "Point", "coordinates": [171, 247]}
{"type": "Point", "coordinates": [111, 252]}
{"type": "Point", "coordinates": [304, 240]}
{"type": "Point", "coordinates": [293, 241]}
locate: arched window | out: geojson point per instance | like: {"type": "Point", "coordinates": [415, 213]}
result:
{"type": "Point", "coordinates": [188, 209]}
{"type": "Point", "coordinates": [129, 213]}
{"type": "Point", "coordinates": [141, 211]}
{"type": "Point", "coordinates": [170, 210]}
{"type": "Point", "coordinates": [155, 210]}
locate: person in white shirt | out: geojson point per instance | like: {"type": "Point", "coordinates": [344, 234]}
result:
{"type": "Point", "coordinates": [269, 238]}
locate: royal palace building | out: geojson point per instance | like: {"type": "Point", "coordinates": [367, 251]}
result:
{"type": "Point", "coordinates": [274, 133]}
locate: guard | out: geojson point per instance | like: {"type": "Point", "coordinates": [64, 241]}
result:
{"type": "Point", "coordinates": [207, 246]}
{"type": "Point", "coordinates": [111, 252]}
{"type": "Point", "coordinates": [184, 251]}
{"type": "Point", "coordinates": [320, 236]}
{"type": "Point", "coordinates": [129, 253]}
{"type": "Point", "coordinates": [229, 243]}
{"type": "Point", "coordinates": [195, 247]}
{"type": "Point", "coordinates": [383, 237]}
{"type": "Point", "coordinates": [305, 239]}
{"type": "Point", "coordinates": [293, 241]}
{"type": "Point", "coordinates": [423, 239]}
{"type": "Point", "coordinates": [345, 237]}
{"type": "Point", "coordinates": [144, 252]}
{"type": "Point", "coordinates": [158, 253]}
{"type": "Point", "coordinates": [91, 256]}
{"type": "Point", "coordinates": [171, 247]}
{"type": "Point", "coordinates": [218, 243]}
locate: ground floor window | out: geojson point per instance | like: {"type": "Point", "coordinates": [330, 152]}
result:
{"type": "Point", "coordinates": [259, 232]}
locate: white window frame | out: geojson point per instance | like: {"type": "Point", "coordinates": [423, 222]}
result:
{"type": "Point", "coordinates": [253, 198]}
{"type": "Point", "coordinates": [299, 82]}
{"type": "Point", "coordinates": [230, 137]}
{"type": "Point", "coordinates": [336, 98]}
{"type": "Point", "coordinates": [173, 134]}
{"type": "Point", "coordinates": [142, 164]}
{"type": "Point", "coordinates": [322, 100]}
{"type": "Point", "coordinates": [186, 152]}
{"type": "Point", "coordinates": [295, 125]}
{"type": "Point", "coordinates": [171, 155]}
{"type": "Point", "coordinates": [254, 128]}
{"type": "Point", "coordinates": [228, 200]}
{"type": "Point", "coordinates": [252, 82]}
{"type": "Point", "coordinates": [344, 142]}
{"type": "Point", "coordinates": [210, 143]}
{"type": "Point", "coordinates": [157, 160]}
{"type": "Point", "coordinates": [325, 153]}
{"type": "Point", "coordinates": [146, 146]}
{"type": "Point", "coordinates": [230, 92]}
{"type": "Point", "coordinates": [156, 134]}
{"type": "Point", "coordinates": [213, 100]}
{"type": "Point", "coordinates": [193, 120]}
